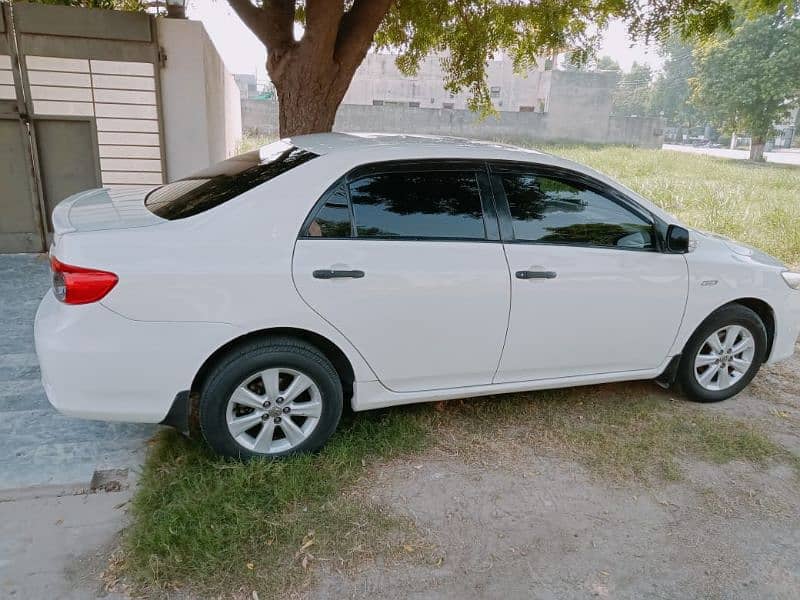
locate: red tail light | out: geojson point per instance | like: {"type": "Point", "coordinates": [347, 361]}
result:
{"type": "Point", "coordinates": [77, 285]}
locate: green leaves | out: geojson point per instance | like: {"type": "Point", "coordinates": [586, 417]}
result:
{"type": "Point", "coordinates": [468, 33]}
{"type": "Point", "coordinates": [633, 94]}
{"type": "Point", "coordinates": [751, 79]}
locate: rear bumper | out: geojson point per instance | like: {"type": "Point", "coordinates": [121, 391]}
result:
{"type": "Point", "coordinates": [97, 364]}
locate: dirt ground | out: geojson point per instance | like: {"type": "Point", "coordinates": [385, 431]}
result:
{"type": "Point", "coordinates": [528, 526]}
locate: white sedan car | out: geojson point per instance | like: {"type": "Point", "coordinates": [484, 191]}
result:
{"type": "Point", "coordinates": [256, 297]}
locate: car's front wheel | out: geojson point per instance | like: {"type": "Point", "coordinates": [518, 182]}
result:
{"type": "Point", "coordinates": [270, 397]}
{"type": "Point", "coordinates": [723, 355]}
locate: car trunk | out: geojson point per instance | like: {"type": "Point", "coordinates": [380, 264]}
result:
{"type": "Point", "coordinates": [103, 209]}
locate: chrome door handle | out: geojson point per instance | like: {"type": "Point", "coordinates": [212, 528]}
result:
{"type": "Point", "coordinates": [535, 274]}
{"type": "Point", "coordinates": [334, 274]}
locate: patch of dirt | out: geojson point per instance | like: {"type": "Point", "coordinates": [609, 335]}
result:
{"type": "Point", "coordinates": [522, 525]}
{"type": "Point", "coordinates": [554, 532]}
{"type": "Point", "coordinates": [773, 399]}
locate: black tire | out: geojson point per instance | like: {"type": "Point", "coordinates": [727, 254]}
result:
{"type": "Point", "coordinates": [731, 314]}
{"type": "Point", "coordinates": [253, 357]}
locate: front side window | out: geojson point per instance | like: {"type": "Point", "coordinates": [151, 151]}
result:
{"type": "Point", "coordinates": [550, 210]}
{"type": "Point", "coordinates": [424, 204]}
{"type": "Point", "coordinates": [224, 181]}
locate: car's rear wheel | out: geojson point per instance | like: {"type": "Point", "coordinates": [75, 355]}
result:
{"type": "Point", "coordinates": [270, 397]}
{"type": "Point", "coordinates": [723, 355]}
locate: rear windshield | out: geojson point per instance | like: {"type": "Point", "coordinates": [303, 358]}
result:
{"type": "Point", "coordinates": [225, 180]}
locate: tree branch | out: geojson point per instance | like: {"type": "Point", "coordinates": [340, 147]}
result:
{"type": "Point", "coordinates": [322, 23]}
{"type": "Point", "coordinates": [273, 23]}
{"type": "Point", "coordinates": [357, 30]}
{"type": "Point", "coordinates": [250, 15]}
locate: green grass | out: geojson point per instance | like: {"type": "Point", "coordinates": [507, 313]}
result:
{"type": "Point", "coordinates": [216, 525]}
{"type": "Point", "coordinates": [620, 432]}
{"type": "Point", "coordinates": [207, 524]}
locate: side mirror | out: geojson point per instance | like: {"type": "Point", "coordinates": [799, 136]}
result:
{"type": "Point", "coordinates": [677, 239]}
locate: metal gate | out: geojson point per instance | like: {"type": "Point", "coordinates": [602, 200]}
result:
{"type": "Point", "coordinates": [79, 108]}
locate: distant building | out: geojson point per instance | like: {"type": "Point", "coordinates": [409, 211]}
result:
{"type": "Point", "coordinates": [786, 132]}
{"type": "Point", "coordinates": [247, 85]}
{"type": "Point", "coordinates": [379, 82]}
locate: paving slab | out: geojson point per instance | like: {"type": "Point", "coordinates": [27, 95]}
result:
{"type": "Point", "coordinates": [39, 446]}
{"type": "Point", "coordinates": [54, 544]}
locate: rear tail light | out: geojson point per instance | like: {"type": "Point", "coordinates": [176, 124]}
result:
{"type": "Point", "coordinates": [78, 285]}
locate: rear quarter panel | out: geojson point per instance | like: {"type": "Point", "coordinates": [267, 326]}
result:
{"type": "Point", "coordinates": [230, 265]}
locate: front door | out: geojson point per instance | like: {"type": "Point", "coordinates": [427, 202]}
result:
{"type": "Point", "coordinates": [592, 293]}
{"type": "Point", "coordinates": [406, 263]}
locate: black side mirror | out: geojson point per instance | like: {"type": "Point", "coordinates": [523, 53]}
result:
{"type": "Point", "coordinates": [677, 239]}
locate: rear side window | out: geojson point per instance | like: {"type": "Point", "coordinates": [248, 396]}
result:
{"type": "Point", "coordinates": [333, 217]}
{"type": "Point", "coordinates": [418, 205]}
{"type": "Point", "coordinates": [555, 211]}
{"type": "Point", "coordinates": [225, 180]}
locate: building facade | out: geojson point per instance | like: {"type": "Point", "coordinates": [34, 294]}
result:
{"type": "Point", "coordinates": [100, 98]}
{"type": "Point", "coordinates": [378, 82]}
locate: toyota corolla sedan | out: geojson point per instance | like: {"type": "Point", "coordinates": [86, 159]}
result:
{"type": "Point", "coordinates": [256, 297]}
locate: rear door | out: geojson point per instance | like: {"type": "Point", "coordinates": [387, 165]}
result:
{"type": "Point", "coordinates": [405, 260]}
{"type": "Point", "coordinates": [592, 292]}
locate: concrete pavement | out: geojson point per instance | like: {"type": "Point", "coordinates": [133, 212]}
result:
{"type": "Point", "coordinates": [786, 157]}
{"type": "Point", "coordinates": [39, 446]}
{"type": "Point", "coordinates": [54, 533]}
{"type": "Point", "coordinates": [56, 546]}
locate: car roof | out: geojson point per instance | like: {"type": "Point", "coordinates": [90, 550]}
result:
{"type": "Point", "coordinates": [412, 144]}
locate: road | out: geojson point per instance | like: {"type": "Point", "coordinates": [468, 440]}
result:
{"type": "Point", "coordinates": [786, 157]}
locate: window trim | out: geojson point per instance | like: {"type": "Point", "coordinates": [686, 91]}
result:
{"type": "Point", "coordinates": [498, 168]}
{"type": "Point", "coordinates": [486, 196]}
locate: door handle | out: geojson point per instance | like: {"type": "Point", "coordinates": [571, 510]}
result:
{"type": "Point", "coordinates": [535, 274]}
{"type": "Point", "coordinates": [334, 274]}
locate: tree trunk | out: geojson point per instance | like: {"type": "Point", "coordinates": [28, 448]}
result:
{"type": "Point", "coordinates": [311, 75]}
{"type": "Point", "coordinates": [308, 97]}
{"type": "Point", "coordinates": [311, 114]}
{"type": "Point", "coordinates": [757, 148]}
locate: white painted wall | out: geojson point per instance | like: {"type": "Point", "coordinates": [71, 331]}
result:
{"type": "Point", "coordinates": [120, 95]}
{"type": "Point", "coordinates": [378, 78]}
{"type": "Point", "coordinates": [201, 108]}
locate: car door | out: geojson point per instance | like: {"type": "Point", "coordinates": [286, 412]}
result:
{"type": "Point", "coordinates": [591, 291]}
{"type": "Point", "coordinates": [405, 261]}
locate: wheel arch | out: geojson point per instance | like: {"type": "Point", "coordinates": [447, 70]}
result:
{"type": "Point", "coordinates": [767, 316]}
{"type": "Point", "coordinates": [758, 306]}
{"type": "Point", "coordinates": [332, 352]}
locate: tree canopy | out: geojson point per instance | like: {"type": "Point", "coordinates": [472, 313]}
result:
{"type": "Point", "coordinates": [749, 81]}
{"type": "Point", "coordinates": [312, 74]}
{"type": "Point", "coordinates": [127, 5]}
{"type": "Point", "coordinates": [670, 93]}
{"type": "Point", "coordinates": [632, 98]}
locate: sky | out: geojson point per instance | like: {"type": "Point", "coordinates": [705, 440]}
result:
{"type": "Point", "coordinates": [243, 53]}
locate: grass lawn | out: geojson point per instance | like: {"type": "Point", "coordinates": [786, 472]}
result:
{"type": "Point", "coordinates": [204, 523]}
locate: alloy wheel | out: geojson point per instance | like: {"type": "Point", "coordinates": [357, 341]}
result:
{"type": "Point", "coordinates": [274, 410]}
{"type": "Point", "coordinates": [724, 358]}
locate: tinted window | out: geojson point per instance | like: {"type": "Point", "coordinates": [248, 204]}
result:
{"type": "Point", "coordinates": [333, 217]}
{"type": "Point", "coordinates": [552, 211]}
{"type": "Point", "coordinates": [434, 204]}
{"type": "Point", "coordinates": [224, 181]}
